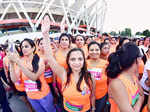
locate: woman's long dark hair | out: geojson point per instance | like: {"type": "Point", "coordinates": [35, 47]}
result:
{"type": "Point", "coordinates": [122, 59]}
{"type": "Point", "coordinates": [84, 74]}
{"type": "Point", "coordinates": [35, 61]}
{"type": "Point", "coordinates": [144, 58]}
{"type": "Point", "coordinates": [121, 42]}
{"type": "Point", "coordinates": [39, 41]}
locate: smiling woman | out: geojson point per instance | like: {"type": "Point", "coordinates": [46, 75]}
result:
{"type": "Point", "coordinates": [30, 70]}
{"type": "Point", "coordinates": [77, 84]}
{"type": "Point", "coordinates": [96, 67]}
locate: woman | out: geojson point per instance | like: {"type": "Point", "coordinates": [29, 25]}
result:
{"type": "Point", "coordinates": [61, 54]}
{"type": "Point", "coordinates": [136, 41]}
{"type": "Point", "coordinates": [64, 47]}
{"type": "Point", "coordinates": [96, 67]}
{"type": "Point", "coordinates": [3, 98]}
{"type": "Point", "coordinates": [77, 84]}
{"type": "Point", "coordinates": [31, 71]}
{"type": "Point", "coordinates": [18, 87]}
{"type": "Point", "coordinates": [88, 40]}
{"type": "Point", "coordinates": [122, 41]}
{"type": "Point", "coordinates": [48, 72]}
{"type": "Point", "coordinates": [146, 55]}
{"type": "Point", "coordinates": [80, 42]}
{"type": "Point", "coordinates": [124, 86]}
{"type": "Point", "coordinates": [145, 82]}
{"type": "Point", "coordinates": [140, 42]}
{"type": "Point", "coordinates": [104, 50]}
{"type": "Point", "coordinates": [113, 44]}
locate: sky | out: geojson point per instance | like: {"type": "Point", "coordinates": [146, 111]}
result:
{"type": "Point", "coordinates": [121, 14]}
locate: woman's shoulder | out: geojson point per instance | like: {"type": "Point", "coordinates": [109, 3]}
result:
{"type": "Point", "coordinates": [114, 82]}
{"type": "Point", "coordinates": [115, 85]}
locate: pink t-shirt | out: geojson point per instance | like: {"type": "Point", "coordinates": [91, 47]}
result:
{"type": "Point", "coordinates": [1, 58]}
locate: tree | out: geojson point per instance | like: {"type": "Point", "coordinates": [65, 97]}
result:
{"type": "Point", "coordinates": [113, 33]}
{"type": "Point", "coordinates": [138, 33]}
{"type": "Point", "coordinates": [128, 32]}
{"type": "Point", "coordinates": [123, 33]}
{"type": "Point", "coordinates": [146, 33]}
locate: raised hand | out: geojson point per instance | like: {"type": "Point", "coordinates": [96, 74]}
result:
{"type": "Point", "coordinates": [13, 57]}
{"type": "Point", "coordinates": [45, 24]}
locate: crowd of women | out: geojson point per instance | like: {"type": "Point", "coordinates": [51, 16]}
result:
{"type": "Point", "coordinates": [77, 74]}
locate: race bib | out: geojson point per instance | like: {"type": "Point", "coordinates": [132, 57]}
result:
{"type": "Point", "coordinates": [30, 86]}
{"type": "Point", "coordinates": [96, 72]}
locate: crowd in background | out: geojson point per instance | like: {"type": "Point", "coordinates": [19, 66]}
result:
{"type": "Point", "coordinates": [76, 73]}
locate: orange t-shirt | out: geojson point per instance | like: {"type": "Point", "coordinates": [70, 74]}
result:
{"type": "Point", "coordinates": [98, 71]}
{"type": "Point", "coordinates": [114, 107]}
{"type": "Point", "coordinates": [132, 90]}
{"type": "Point", "coordinates": [145, 109]}
{"type": "Point", "coordinates": [48, 74]}
{"type": "Point", "coordinates": [61, 59]}
{"type": "Point", "coordinates": [31, 88]}
{"type": "Point", "coordinates": [75, 100]}
{"type": "Point", "coordinates": [19, 85]}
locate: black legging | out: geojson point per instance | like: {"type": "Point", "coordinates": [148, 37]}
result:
{"type": "Point", "coordinates": [2, 74]}
{"type": "Point", "coordinates": [3, 98]}
{"type": "Point", "coordinates": [5, 105]}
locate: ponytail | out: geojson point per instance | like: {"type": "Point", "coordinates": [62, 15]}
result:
{"type": "Point", "coordinates": [114, 67]}
{"type": "Point", "coordinates": [35, 62]}
{"type": "Point", "coordinates": [35, 65]}
{"type": "Point", "coordinates": [122, 59]}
